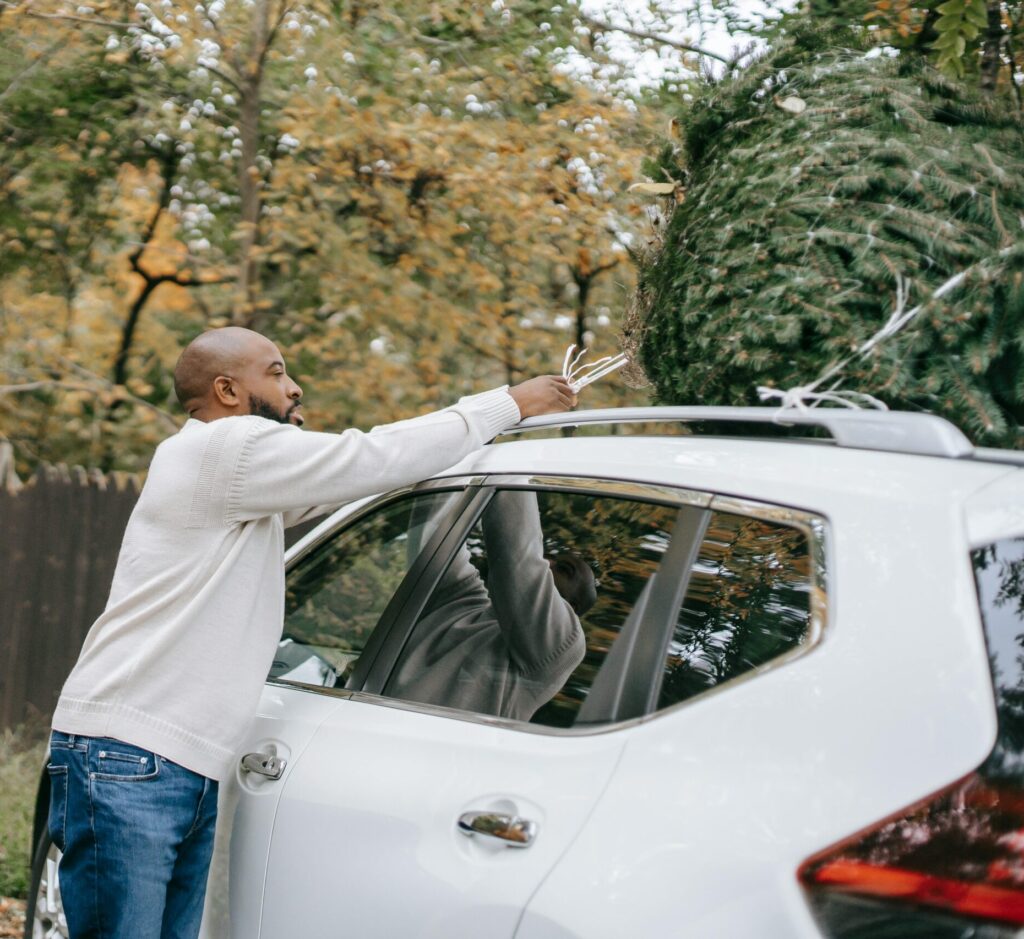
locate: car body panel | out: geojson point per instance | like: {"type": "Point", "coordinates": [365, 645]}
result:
{"type": "Point", "coordinates": [996, 511]}
{"type": "Point", "coordinates": [380, 789]}
{"type": "Point", "coordinates": [247, 807]}
{"type": "Point", "coordinates": [805, 475]}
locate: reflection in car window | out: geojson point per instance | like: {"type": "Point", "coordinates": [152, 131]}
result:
{"type": "Point", "coordinates": [748, 601]}
{"type": "Point", "coordinates": [523, 618]}
{"type": "Point", "coordinates": [335, 596]}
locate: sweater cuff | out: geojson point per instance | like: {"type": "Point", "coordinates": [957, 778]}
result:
{"type": "Point", "coordinates": [498, 409]}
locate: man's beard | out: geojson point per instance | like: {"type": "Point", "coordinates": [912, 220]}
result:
{"type": "Point", "coordinates": [260, 408]}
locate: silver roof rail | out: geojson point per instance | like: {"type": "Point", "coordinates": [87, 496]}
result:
{"type": "Point", "coordinates": [891, 431]}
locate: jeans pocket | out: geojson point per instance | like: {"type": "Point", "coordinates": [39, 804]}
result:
{"type": "Point", "coordinates": [124, 763]}
{"type": "Point", "coordinates": [56, 819]}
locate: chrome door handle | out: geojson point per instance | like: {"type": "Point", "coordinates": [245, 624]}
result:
{"type": "Point", "coordinates": [514, 831]}
{"type": "Point", "coordinates": [264, 764]}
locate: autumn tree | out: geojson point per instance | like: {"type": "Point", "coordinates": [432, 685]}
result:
{"type": "Point", "coordinates": [412, 205]}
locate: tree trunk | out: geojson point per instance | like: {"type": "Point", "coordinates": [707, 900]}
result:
{"type": "Point", "coordinates": [991, 47]}
{"type": "Point", "coordinates": [583, 283]}
{"type": "Point", "coordinates": [168, 167]}
{"type": "Point", "coordinates": [251, 83]}
{"type": "Point", "coordinates": [128, 332]}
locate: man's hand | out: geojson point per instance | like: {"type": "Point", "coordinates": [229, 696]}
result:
{"type": "Point", "coordinates": [545, 394]}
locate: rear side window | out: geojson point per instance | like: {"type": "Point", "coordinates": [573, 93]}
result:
{"type": "Point", "coordinates": [748, 602]}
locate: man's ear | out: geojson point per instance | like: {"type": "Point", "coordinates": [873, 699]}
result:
{"type": "Point", "coordinates": [226, 392]}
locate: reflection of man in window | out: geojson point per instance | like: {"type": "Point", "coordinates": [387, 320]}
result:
{"type": "Point", "coordinates": [504, 646]}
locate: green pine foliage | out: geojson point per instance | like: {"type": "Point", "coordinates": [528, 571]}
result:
{"type": "Point", "coordinates": [799, 221]}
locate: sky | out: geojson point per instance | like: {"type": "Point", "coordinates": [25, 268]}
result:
{"type": "Point", "coordinates": [690, 21]}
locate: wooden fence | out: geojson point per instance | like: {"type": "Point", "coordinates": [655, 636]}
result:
{"type": "Point", "coordinates": [61, 533]}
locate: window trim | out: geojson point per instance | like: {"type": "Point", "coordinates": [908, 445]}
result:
{"type": "Point", "coordinates": [479, 489]}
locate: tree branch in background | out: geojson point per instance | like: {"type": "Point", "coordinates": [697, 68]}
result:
{"type": "Point", "coordinates": [80, 370]}
{"type": "Point", "coordinates": [168, 167]}
{"type": "Point", "coordinates": [66, 17]}
{"type": "Point", "coordinates": [228, 50]}
{"type": "Point", "coordinates": [286, 8]}
{"type": "Point", "coordinates": [223, 76]}
{"type": "Point", "coordinates": [584, 274]}
{"type": "Point", "coordinates": [664, 40]}
{"type": "Point", "coordinates": [486, 353]}
{"type": "Point", "coordinates": [31, 67]}
{"type": "Point", "coordinates": [101, 387]}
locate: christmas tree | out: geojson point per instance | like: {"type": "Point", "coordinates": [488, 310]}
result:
{"type": "Point", "coordinates": [823, 186]}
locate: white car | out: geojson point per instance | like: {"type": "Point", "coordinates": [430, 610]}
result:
{"type": "Point", "coordinates": [799, 709]}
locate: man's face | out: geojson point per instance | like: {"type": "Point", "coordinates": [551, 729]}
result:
{"type": "Point", "coordinates": [271, 393]}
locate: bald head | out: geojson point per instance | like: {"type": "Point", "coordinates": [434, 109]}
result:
{"type": "Point", "coordinates": [230, 371]}
{"type": "Point", "coordinates": [211, 354]}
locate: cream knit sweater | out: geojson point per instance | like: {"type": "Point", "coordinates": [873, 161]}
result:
{"type": "Point", "coordinates": [176, 662]}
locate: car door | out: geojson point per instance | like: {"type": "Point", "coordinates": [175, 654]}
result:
{"type": "Point", "coordinates": [437, 807]}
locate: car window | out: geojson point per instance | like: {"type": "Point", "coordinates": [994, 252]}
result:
{"type": "Point", "coordinates": [522, 620]}
{"type": "Point", "coordinates": [748, 601]}
{"type": "Point", "coordinates": [334, 597]}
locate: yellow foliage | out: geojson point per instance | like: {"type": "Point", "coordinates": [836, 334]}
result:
{"type": "Point", "coordinates": [441, 222]}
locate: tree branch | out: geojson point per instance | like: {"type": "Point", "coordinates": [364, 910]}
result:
{"type": "Point", "coordinates": [643, 34]}
{"type": "Point", "coordinates": [449, 44]}
{"type": "Point", "coordinates": [168, 418]}
{"type": "Point", "coordinates": [31, 67]}
{"type": "Point", "coordinates": [223, 76]}
{"type": "Point", "coordinates": [486, 353]}
{"type": "Point", "coordinates": [67, 17]}
{"type": "Point", "coordinates": [46, 383]}
{"type": "Point", "coordinates": [286, 8]}
{"type": "Point", "coordinates": [229, 51]}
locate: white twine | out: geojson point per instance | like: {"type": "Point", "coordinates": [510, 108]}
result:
{"type": "Point", "coordinates": [804, 397]}
{"type": "Point", "coordinates": [579, 374]}
{"type": "Point", "coordinates": [797, 398]}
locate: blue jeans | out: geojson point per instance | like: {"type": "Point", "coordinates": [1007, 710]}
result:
{"type": "Point", "coordinates": [136, 832]}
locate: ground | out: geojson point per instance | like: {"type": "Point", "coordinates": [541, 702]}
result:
{"type": "Point", "coordinates": [12, 918]}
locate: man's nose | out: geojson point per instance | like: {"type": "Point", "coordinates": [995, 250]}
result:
{"type": "Point", "coordinates": [295, 391]}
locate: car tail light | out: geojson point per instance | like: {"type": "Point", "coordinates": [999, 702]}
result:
{"type": "Point", "coordinates": [952, 864]}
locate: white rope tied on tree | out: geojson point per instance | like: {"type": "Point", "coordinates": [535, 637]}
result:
{"type": "Point", "coordinates": [804, 397]}
{"type": "Point", "coordinates": [580, 374]}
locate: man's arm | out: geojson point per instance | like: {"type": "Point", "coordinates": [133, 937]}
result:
{"type": "Point", "coordinates": [278, 468]}
{"type": "Point", "coordinates": [540, 629]}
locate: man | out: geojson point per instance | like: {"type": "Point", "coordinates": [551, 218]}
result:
{"type": "Point", "coordinates": [171, 672]}
{"type": "Point", "coordinates": [506, 646]}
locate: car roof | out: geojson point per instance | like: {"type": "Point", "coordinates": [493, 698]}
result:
{"type": "Point", "coordinates": [805, 474]}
